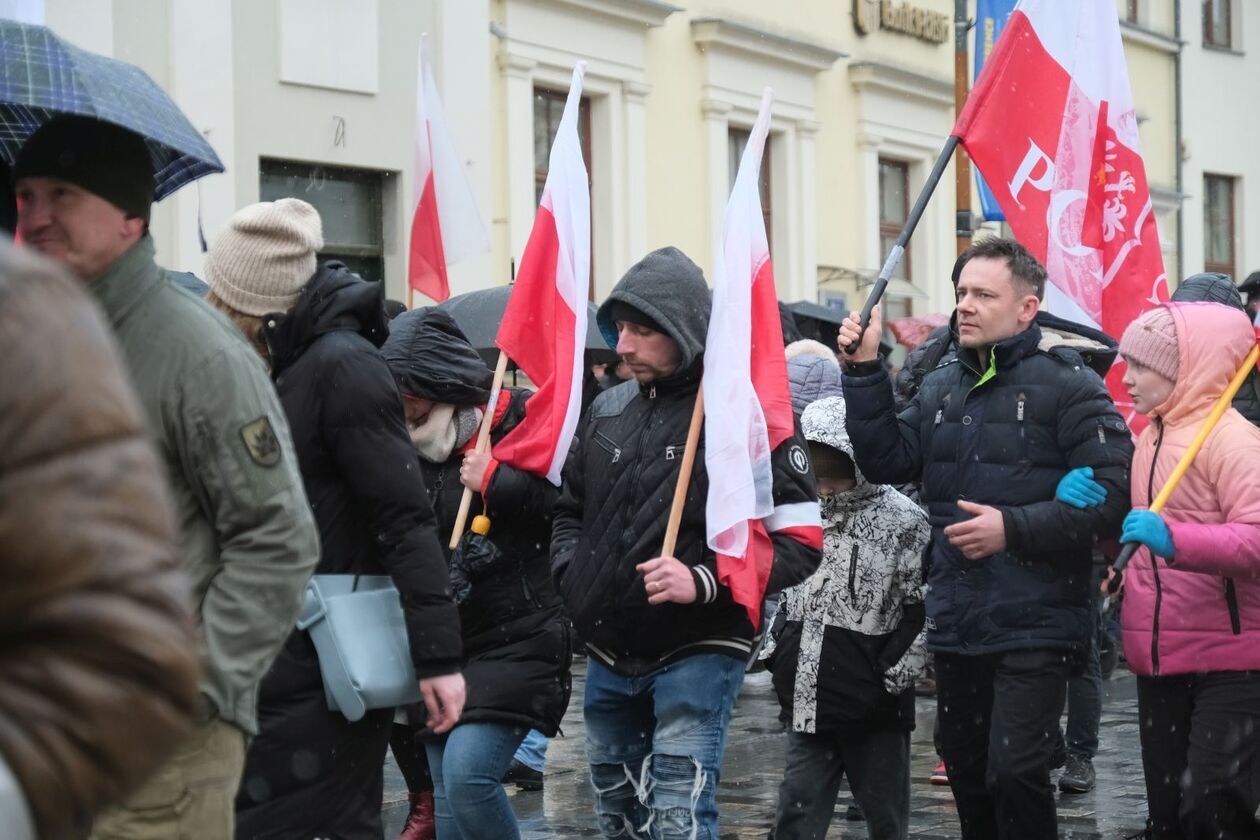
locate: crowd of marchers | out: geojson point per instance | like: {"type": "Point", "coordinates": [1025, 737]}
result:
{"type": "Point", "coordinates": [178, 457]}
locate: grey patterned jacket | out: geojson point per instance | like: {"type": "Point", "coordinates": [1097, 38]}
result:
{"type": "Point", "coordinates": [851, 640]}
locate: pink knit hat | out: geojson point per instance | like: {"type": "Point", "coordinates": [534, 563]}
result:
{"type": "Point", "coordinates": [1151, 341]}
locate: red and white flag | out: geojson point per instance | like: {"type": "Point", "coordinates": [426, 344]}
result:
{"type": "Point", "coordinates": [1052, 127]}
{"type": "Point", "coordinates": [445, 224]}
{"type": "Point", "coordinates": [544, 326]}
{"type": "Point", "coordinates": [749, 404]}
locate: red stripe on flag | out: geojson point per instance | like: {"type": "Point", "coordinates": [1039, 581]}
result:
{"type": "Point", "coordinates": [769, 365]}
{"type": "Point", "coordinates": [426, 270]}
{"type": "Point", "coordinates": [537, 332]}
{"type": "Point", "coordinates": [747, 576]}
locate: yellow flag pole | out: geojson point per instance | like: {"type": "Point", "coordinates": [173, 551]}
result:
{"type": "Point", "coordinates": [1218, 411]}
{"type": "Point", "coordinates": [483, 442]}
{"type": "Point", "coordinates": [684, 476]}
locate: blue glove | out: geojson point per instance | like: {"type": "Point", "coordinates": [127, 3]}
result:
{"type": "Point", "coordinates": [1142, 526]}
{"type": "Point", "coordinates": [1079, 489]}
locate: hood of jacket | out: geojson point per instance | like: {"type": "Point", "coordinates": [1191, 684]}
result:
{"type": "Point", "coordinates": [431, 358]}
{"type": "Point", "coordinates": [334, 299]}
{"type": "Point", "coordinates": [670, 289]}
{"type": "Point", "coordinates": [1212, 341]}
{"type": "Point", "coordinates": [823, 422]}
{"type": "Point", "coordinates": [813, 373]}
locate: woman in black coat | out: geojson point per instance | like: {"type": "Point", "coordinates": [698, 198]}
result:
{"type": "Point", "coordinates": [310, 772]}
{"type": "Point", "coordinates": [516, 642]}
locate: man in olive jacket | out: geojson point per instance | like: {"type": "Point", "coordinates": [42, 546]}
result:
{"type": "Point", "coordinates": [247, 538]}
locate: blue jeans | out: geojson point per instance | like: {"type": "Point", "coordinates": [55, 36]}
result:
{"type": "Point", "coordinates": [533, 751]}
{"type": "Point", "coordinates": [467, 767]}
{"type": "Point", "coordinates": [655, 745]}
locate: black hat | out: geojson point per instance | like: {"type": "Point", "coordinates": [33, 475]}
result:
{"type": "Point", "coordinates": [619, 310]}
{"type": "Point", "coordinates": [105, 159]}
{"type": "Point", "coordinates": [1251, 285]}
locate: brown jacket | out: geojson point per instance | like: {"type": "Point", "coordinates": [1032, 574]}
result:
{"type": "Point", "coordinates": [98, 652]}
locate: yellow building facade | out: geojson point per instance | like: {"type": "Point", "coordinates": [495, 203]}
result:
{"type": "Point", "coordinates": [316, 98]}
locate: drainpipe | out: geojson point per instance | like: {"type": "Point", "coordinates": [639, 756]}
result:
{"type": "Point", "coordinates": [1181, 208]}
{"type": "Point", "coordinates": [963, 231]}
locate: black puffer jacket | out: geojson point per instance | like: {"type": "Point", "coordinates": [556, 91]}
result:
{"type": "Point", "coordinates": [1003, 433]}
{"type": "Point", "coordinates": [619, 483]}
{"type": "Point", "coordinates": [1218, 288]}
{"type": "Point", "coordinates": [357, 460]}
{"type": "Point", "coordinates": [517, 649]}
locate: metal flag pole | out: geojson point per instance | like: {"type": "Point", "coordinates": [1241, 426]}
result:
{"type": "Point", "coordinates": [899, 248]}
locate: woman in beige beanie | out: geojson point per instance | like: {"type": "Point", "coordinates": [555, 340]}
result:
{"type": "Point", "coordinates": [258, 265]}
{"type": "Point", "coordinates": [310, 772]}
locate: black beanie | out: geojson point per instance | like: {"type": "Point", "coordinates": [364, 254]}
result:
{"type": "Point", "coordinates": [619, 310]}
{"type": "Point", "coordinates": [106, 160]}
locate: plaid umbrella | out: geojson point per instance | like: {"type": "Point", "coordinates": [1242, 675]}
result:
{"type": "Point", "coordinates": [42, 76]}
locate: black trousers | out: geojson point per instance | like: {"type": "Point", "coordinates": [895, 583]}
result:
{"type": "Point", "coordinates": [1201, 754]}
{"type": "Point", "coordinates": [999, 724]}
{"type": "Point", "coordinates": [878, 766]}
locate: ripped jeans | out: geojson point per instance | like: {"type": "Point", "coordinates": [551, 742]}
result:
{"type": "Point", "coordinates": [655, 745]}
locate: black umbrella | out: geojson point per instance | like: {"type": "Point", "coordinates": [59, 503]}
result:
{"type": "Point", "coordinates": [479, 314]}
{"type": "Point", "coordinates": [42, 76]}
{"type": "Point", "coordinates": [822, 323]}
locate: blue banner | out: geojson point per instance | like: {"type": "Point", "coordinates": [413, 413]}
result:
{"type": "Point", "coordinates": [991, 16]}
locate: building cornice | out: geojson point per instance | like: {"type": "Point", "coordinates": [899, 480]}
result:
{"type": "Point", "coordinates": [631, 12]}
{"type": "Point", "coordinates": [720, 33]}
{"type": "Point", "coordinates": [1149, 38]}
{"type": "Point", "coordinates": [886, 78]}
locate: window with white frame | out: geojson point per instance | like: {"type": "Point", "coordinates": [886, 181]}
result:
{"type": "Point", "coordinates": [737, 141]}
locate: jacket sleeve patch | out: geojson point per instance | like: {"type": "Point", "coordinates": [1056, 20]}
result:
{"type": "Point", "coordinates": [261, 442]}
{"type": "Point", "coordinates": [798, 459]}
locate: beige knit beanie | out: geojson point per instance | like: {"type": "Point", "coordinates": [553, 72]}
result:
{"type": "Point", "coordinates": [1151, 341]}
{"type": "Point", "coordinates": [264, 257]}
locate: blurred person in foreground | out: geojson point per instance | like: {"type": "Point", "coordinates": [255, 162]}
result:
{"type": "Point", "coordinates": [98, 654]}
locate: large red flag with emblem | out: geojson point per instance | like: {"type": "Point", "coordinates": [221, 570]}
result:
{"type": "Point", "coordinates": [544, 327]}
{"type": "Point", "coordinates": [748, 403]}
{"type": "Point", "coordinates": [446, 226]}
{"type": "Point", "coordinates": [1052, 127]}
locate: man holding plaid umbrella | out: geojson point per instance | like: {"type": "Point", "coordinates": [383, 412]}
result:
{"type": "Point", "coordinates": [84, 189]}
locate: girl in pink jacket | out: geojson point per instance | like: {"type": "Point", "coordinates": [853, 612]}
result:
{"type": "Point", "coordinates": [1191, 616]}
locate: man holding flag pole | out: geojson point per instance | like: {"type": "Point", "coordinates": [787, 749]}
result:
{"type": "Point", "coordinates": [1052, 126]}
{"type": "Point", "coordinates": [670, 609]}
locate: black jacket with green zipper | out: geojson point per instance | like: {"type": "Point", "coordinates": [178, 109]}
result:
{"type": "Point", "coordinates": [1002, 433]}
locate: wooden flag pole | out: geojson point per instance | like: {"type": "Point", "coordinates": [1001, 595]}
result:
{"type": "Point", "coordinates": [684, 476]}
{"type": "Point", "coordinates": [483, 442]}
{"type": "Point", "coordinates": [1187, 458]}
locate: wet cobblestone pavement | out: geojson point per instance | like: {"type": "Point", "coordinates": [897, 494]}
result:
{"type": "Point", "coordinates": [753, 767]}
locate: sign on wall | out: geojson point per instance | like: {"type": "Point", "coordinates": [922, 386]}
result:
{"type": "Point", "coordinates": [870, 16]}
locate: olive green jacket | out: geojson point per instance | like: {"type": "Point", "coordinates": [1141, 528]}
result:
{"type": "Point", "coordinates": [247, 537]}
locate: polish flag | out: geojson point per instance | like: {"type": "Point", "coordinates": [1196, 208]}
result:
{"type": "Point", "coordinates": [1051, 124]}
{"type": "Point", "coordinates": [746, 389]}
{"type": "Point", "coordinates": [445, 226]}
{"type": "Point", "coordinates": [544, 326]}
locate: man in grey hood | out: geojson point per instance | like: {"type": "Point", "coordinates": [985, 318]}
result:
{"type": "Point", "coordinates": [667, 642]}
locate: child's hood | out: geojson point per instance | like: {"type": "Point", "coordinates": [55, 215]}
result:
{"type": "Point", "coordinates": [1212, 341]}
{"type": "Point", "coordinates": [823, 422]}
